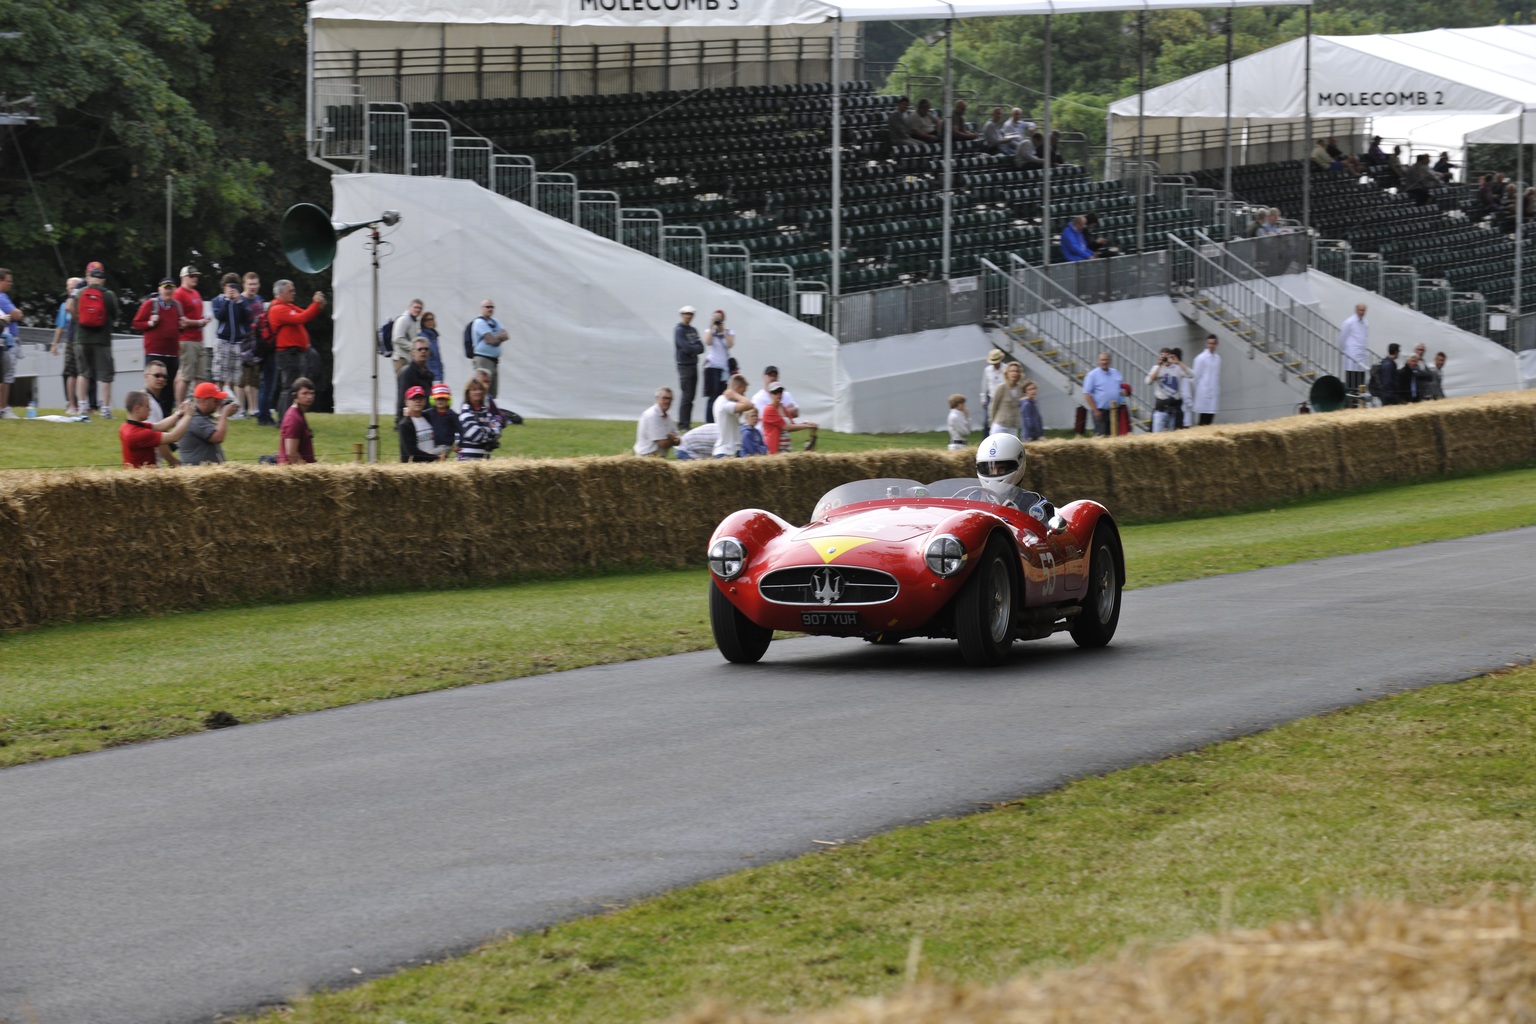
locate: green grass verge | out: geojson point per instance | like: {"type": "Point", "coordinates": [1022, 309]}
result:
{"type": "Point", "coordinates": [33, 445]}
{"type": "Point", "coordinates": [86, 686]}
{"type": "Point", "coordinates": [1425, 796]}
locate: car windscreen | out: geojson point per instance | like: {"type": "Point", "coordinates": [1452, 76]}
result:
{"type": "Point", "coordinates": [891, 487]}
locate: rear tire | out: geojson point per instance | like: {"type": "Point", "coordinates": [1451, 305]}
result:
{"type": "Point", "coordinates": [984, 608]}
{"type": "Point", "coordinates": [1094, 626]}
{"type": "Point", "coordinates": [741, 640]}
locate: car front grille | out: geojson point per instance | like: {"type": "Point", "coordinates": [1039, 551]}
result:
{"type": "Point", "coordinates": [815, 584]}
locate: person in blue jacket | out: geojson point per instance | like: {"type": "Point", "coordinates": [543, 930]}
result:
{"type": "Point", "coordinates": [1073, 245]}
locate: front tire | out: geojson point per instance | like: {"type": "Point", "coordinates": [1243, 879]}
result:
{"type": "Point", "coordinates": [1094, 626]}
{"type": "Point", "coordinates": [984, 608]}
{"type": "Point", "coordinates": [741, 640]}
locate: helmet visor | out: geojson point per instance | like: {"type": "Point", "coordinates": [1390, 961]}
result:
{"type": "Point", "coordinates": [997, 467]}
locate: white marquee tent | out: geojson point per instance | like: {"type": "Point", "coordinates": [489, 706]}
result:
{"type": "Point", "coordinates": [1478, 72]}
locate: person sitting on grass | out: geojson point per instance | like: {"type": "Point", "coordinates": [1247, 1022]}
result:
{"type": "Point", "coordinates": [139, 438]}
{"type": "Point", "coordinates": [699, 443]}
{"type": "Point", "coordinates": [655, 431]}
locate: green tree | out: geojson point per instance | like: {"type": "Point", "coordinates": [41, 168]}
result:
{"type": "Point", "coordinates": [127, 93]}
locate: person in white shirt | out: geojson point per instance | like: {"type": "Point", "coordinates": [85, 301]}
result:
{"type": "Point", "coordinates": [1168, 378]}
{"type": "Point", "coordinates": [959, 420]}
{"type": "Point", "coordinates": [991, 377]}
{"type": "Point", "coordinates": [994, 135]}
{"type": "Point", "coordinates": [1355, 343]}
{"type": "Point", "coordinates": [727, 416]}
{"type": "Point", "coordinates": [761, 399]}
{"type": "Point", "coordinates": [718, 341]}
{"type": "Point", "coordinates": [1207, 381]}
{"type": "Point", "coordinates": [655, 432]}
{"type": "Point", "coordinates": [404, 334]}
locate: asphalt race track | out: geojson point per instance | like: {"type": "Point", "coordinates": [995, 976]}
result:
{"type": "Point", "coordinates": [173, 881]}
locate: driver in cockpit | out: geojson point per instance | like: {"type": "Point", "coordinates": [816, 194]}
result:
{"type": "Point", "coordinates": [1000, 467]}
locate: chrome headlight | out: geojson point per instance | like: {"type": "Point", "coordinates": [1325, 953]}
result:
{"type": "Point", "coordinates": [727, 558]}
{"type": "Point", "coordinates": [945, 555]}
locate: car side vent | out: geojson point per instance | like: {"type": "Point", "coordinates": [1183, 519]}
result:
{"type": "Point", "coordinates": [828, 584]}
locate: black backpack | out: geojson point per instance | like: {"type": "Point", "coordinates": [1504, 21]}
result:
{"type": "Point", "coordinates": [387, 338]}
{"type": "Point", "coordinates": [469, 340]}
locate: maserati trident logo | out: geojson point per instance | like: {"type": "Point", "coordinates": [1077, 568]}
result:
{"type": "Point", "coordinates": [827, 585]}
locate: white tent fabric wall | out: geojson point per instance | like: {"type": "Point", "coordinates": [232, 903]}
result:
{"type": "Point", "coordinates": [1447, 71]}
{"type": "Point", "coordinates": [591, 320]}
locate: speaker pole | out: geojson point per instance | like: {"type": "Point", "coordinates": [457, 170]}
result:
{"type": "Point", "coordinates": [373, 426]}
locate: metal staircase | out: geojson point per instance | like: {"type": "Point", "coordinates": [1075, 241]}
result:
{"type": "Point", "coordinates": [1062, 331]}
{"type": "Point", "coordinates": [1225, 296]}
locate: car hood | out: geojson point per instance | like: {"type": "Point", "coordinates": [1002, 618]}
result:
{"type": "Point", "coordinates": [886, 526]}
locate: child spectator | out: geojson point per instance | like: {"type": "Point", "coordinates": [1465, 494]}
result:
{"type": "Point", "coordinates": [959, 424]}
{"type": "Point", "coordinates": [774, 420]}
{"type": "Point", "coordinates": [752, 442]}
{"type": "Point", "coordinates": [445, 422]}
{"type": "Point", "coordinates": [1031, 426]}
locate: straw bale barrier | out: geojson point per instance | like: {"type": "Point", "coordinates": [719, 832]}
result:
{"type": "Point", "coordinates": [89, 544]}
{"type": "Point", "coordinates": [1366, 964]}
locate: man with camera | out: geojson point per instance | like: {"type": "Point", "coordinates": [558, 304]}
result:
{"type": "Point", "coordinates": [1168, 378]}
{"type": "Point", "coordinates": [718, 342]}
{"type": "Point", "coordinates": [203, 444]}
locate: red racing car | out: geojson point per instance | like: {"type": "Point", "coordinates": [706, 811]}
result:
{"type": "Point", "coordinates": [889, 559]}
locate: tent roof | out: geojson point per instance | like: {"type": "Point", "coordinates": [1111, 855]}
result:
{"type": "Point", "coordinates": [1507, 131]}
{"type": "Point", "coordinates": [1447, 71]}
{"type": "Point", "coordinates": [721, 13]}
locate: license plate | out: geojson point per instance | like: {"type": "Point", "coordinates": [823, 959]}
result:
{"type": "Point", "coordinates": [829, 618]}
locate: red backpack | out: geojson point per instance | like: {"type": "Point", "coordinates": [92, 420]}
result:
{"type": "Point", "coordinates": [91, 307]}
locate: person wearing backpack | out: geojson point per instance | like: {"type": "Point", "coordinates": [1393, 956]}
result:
{"type": "Point", "coordinates": [487, 335]}
{"type": "Point", "coordinates": [256, 355]}
{"type": "Point", "coordinates": [403, 334]}
{"type": "Point", "coordinates": [159, 319]}
{"type": "Point", "coordinates": [96, 312]}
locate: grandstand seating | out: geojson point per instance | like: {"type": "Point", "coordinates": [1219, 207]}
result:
{"type": "Point", "coordinates": [749, 165]}
{"type": "Point", "coordinates": [1443, 240]}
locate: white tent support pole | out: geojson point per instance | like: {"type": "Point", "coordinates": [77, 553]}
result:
{"type": "Point", "coordinates": [1045, 137]}
{"type": "Point", "coordinates": [1226, 175]}
{"type": "Point", "coordinates": [1306, 121]}
{"type": "Point", "coordinates": [372, 437]}
{"type": "Point", "coordinates": [1141, 131]}
{"type": "Point", "coordinates": [948, 123]}
{"type": "Point", "coordinates": [837, 174]}
{"type": "Point", "coordinates": [1520, 212]}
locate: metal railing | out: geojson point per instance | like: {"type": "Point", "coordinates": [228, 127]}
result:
{"type": "Point", "coordinates": [1057, 327]}
{"type": "Point", "coordinates": [437, 74]}
{"type": "Point", "coordinates": [1254, 308]}
{"type": "Point", "coordinates": [1137, 276]}
{"type": "Point", "coordinates": [909, 309]}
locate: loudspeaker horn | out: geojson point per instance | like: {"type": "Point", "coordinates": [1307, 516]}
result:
{"type": "Point", "coordinates": [1327, 394]}
{"type": "Point", "coordinates": [308, 235]}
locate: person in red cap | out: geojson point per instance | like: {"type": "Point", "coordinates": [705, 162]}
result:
{"type": "Point", "coordinates": [417, 442]}
{"type": "Point", "coordinates": [445, 422]}
{"type": "Point", "coordinates": [196, 361]}
{"type": "Point", "coordinates": [204, 443]}
{"type": "Point", "coordinates": [140, 439]}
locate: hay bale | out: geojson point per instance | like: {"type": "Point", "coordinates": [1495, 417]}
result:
{"type": "Point", "coordinates": [1367, 964]}
{"type": "Point", "coordinates": [88, 544]}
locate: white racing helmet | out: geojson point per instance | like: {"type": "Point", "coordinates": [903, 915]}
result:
{"type": "Point", "coordinates": [1000, 465]}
